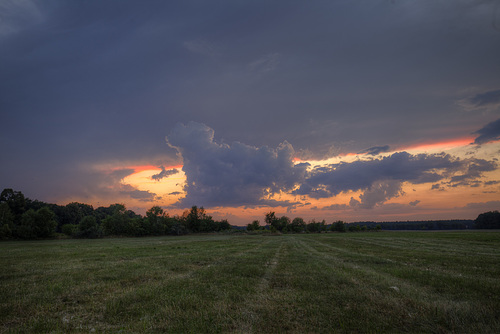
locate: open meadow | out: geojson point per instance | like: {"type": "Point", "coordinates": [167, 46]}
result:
{"type": "Point", "coordinates": [433, 282]}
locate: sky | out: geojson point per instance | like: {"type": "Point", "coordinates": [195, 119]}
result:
{"type": "Point", "coordinates": [376, 110]}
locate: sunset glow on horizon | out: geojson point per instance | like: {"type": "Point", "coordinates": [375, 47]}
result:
{"type": "Point", "coordinates": [426, 199]}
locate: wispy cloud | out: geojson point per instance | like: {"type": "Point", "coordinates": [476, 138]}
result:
{"type": "Point", "coordinates": [488, 99]}
{"type": "Point", "coordinates": [489, 133]}
{"type": "Point", "coordinates": [485, 101]}
{"type": "Point", "coordinates": [376, 150]}
{"type": "Point", "coordinates": [201, 46]}
{"type": "Point", "coordinates": [141, 195]}
{"type": "Point", "coordinates": [16, 15]}
{"type": "Point", "coordinates": [265, 64]}
{"type": "Point", "coordinates": [164, 173]}
{"type": "Point", "coordinates": [414, 203]}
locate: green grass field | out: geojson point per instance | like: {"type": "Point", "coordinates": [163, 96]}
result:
{"type": "Point", "coordinates": [432, 282]}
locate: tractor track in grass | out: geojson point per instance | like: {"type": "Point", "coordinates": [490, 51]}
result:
{"type": "Point", "coordinates": [445, 247]}
{"type": "Point", "coordinates": [260, 296]}
{"type": "Point", "coordinates": [432, 268]}
{"type": "Point", "coordinates": [373, 279]}
{"type": "Point", "coordinates": [414, 296]}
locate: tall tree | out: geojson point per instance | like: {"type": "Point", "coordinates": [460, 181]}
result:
{"type": "Point", "coordinates": [253, 226]}
{"type": "Point", "coordinates": [156, 221]}
{"type": "Point", "coordinates": [6, 221]}
{"type": "Point", "coordinates": [271, 220]}
{"type": "Point", "coordinates": [283, 224]}
{"type": "Point", "coordinates": [36, 224]}
{"type": "Point", "coordinates": [16, 202]}
{"type": "Point", "coordinates": [297, 225]}
{"type": "Point", "coordinates": [197, 219]}
{"type": "Point", "coordinates": [339, 226]}
{"type": "Point", "coordinates": [45, 223]}
{"type": "Point", "coordinates": [118, 222]}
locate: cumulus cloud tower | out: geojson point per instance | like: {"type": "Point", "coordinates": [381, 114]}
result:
{"type": "Point", "coordinates": [235, 174]}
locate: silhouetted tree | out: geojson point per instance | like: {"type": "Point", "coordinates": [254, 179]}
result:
{"type": "Point", "coordinates": [156, 221]}
{"type": "Point", "coordinates": [316, 227]}
{"type": "Point", "coordinates": [46, 223]}
{"type": "Point", "coordinates": [271, 219]}
{"type": "Point", "coordinates": [196, 219]}
{"type": "Point", "coordinates": [253, 226]}
{"type": "Point", "coordinates": [223, 225]}
{"type": "Point", "coordinates": [16, 202]}
{"type": "Point", "coordinates": [36, 224]}
{"type": "Point", "coordinates": [488, 220]}
{"type": "Point", "coordinates": [118, 223]}
{"type": "Point", "coordinates": [74, 212]}
{"type": "Point", "coordinates": [338, 226]}
{"type": "Point", "coordinates": [297, 225]}
{"type": "Point", "coordinates": [6, 221]}
{"type": "Point", "coordinates": [283, 224]}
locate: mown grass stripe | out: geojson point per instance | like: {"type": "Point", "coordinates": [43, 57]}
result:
{"type": "Point", "coordinates": [259, 296]}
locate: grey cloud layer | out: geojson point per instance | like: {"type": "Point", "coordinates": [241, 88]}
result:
{"type": "Point", "coordinates": [382, 179]}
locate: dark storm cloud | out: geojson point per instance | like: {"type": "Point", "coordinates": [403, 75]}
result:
{"type": "Point", "coordinates": [235, 174]}
{"type": "Point", "coordinates": [414, 203]}
{"type": "Point", "coordinates": [88, 82]}
{"type": "Point", "coordinates": [376, 150]}
{"type": "Point", "coordinates": [489, 133]}
{"type": "Point", "coordinates": [164, 173]}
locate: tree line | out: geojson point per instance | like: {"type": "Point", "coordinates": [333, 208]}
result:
{"type": "Point", "coordinates": [487, 220]}
{"type": "Point", "coordinates": [23, 218]}
{"type": "Point", "coordinates": [455, 224]}
{"type": "Point", "coordinates": [298, 225]}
